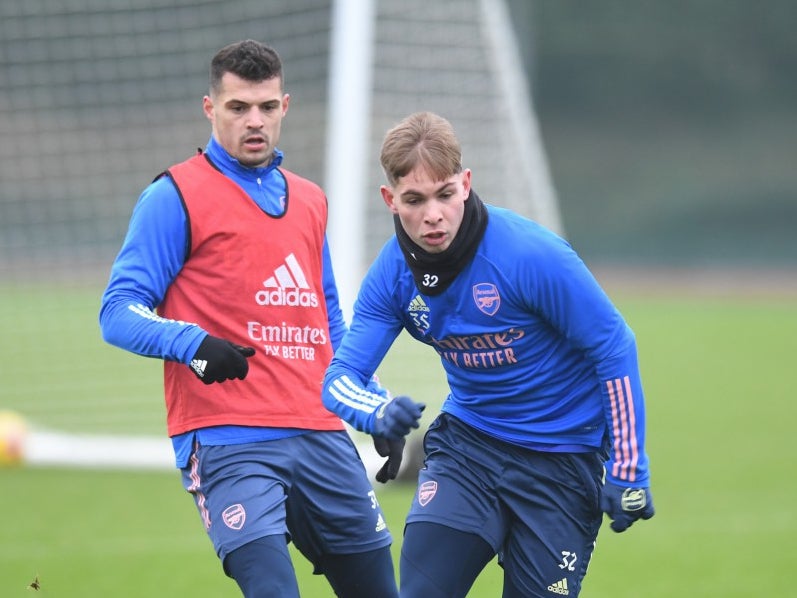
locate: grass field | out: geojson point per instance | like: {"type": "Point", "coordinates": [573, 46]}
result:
{"type": "Point", "coordinates": [719, 377]}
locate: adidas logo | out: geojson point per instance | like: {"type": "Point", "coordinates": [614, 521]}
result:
{"type": "Point", "coordinates": [380, 524]}
{"type": "Point", "coordinates": [418, 304]}
{"type": "Point", "coordinates": [419, 312]}
{"type": "Point", "coordinates": [199, 365]}
{"type": "Point", "coordinates": [288, 286]}
{"type": "Point", "coordinates": [560, 587]}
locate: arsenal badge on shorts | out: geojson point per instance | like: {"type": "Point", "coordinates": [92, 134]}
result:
{"type": "Point", "coordinates": [426, 492]}
{"type": "Point", "coordinates": [234, 516]}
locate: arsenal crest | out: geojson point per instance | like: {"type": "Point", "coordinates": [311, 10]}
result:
{"type": "Point", "coordinates": [426, 492]}
{"type": "Point", "coordinates": [486, 297]}
{"type": "Point", "coordinates": [234, 516]}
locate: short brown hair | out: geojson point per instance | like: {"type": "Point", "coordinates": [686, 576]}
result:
{"type": "Point", "coordinates": [421, 138]}
{"type": "Point", "coordinates": [248, 59]}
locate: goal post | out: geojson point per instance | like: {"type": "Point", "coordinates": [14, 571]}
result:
{"type": "Point", "coordinates": [348, 122]}
{"type": "Point", "coordinates": [459, 58]}
{"type": "Point", "coordinates": [100, 97]}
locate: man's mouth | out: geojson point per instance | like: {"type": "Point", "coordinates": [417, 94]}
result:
{"type": "Point", "coordinates": [255, 142]}
{"type": "Point", "coordinates": [434, 238]}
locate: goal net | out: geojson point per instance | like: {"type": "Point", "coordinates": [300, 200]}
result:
{"type": "Point", "coordinates": [97, 98]}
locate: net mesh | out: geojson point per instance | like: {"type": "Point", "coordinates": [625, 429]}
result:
{"type": "Point", "coordinates": [447, 57]}
{"type": "Point", "coordinates": [97, 98]}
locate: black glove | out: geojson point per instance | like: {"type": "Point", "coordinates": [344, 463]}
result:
{"type": "Point", "coordinates": [394, 451]}
{"type": "Point", "coordinates": [217, 360]}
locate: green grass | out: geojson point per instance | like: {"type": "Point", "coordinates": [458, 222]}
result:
{"type": "Point", "coordinates": [719, 377]}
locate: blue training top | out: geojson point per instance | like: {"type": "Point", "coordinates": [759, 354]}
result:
{"type": "Point", "coordinates": [534, 351]}
{"type": "Point", "coordinates": [152, 254]}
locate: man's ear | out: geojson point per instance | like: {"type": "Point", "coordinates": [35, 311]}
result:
{"type": "Point", "coordinates": [388, 198]}
{"type": "Point", "coordinates": [466, 174]}
{"type": "Point", "coordinates": [207, 107]}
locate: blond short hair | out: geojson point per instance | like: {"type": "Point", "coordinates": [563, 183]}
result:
{"type": "Point", "coordinates": [422, 138]}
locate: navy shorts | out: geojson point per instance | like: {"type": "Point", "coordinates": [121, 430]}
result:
{"type": "Point", "coordinates": [539, 511]}
{"type": "Point", "coordinates": [312, 488]}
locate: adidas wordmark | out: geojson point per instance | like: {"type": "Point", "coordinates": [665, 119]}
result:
{"type": "Point", "coordinates": [288, 286]}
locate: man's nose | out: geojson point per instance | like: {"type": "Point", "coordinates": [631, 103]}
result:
{"type": "Point", "coordinates": [433, 213]}
{"type": "Point", "coordinates": [254, 119]}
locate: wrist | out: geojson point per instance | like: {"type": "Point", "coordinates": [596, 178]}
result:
{"type": "Point", "coordinates": [189, 342]}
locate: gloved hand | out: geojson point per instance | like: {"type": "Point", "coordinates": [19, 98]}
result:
{"type": "Point", "coordinates": [624, 505]}
{"type": "Point", "coordinates": [396, 417]}
{"type": "Point", "coordinates": [394, 451]}
{"type": "Point", "coordinates": [217, 360]}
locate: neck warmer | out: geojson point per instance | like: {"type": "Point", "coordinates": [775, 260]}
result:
{"type": "Point", "coordinates": [434, 272]}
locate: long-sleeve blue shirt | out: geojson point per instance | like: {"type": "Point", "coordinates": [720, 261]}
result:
{"type": "Point", "coordinates": [152, 254]}
{"type": "Point", "coordinates": [534, 351]}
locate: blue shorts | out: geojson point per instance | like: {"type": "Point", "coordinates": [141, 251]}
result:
{"type": "Point", "coordinates": [312, 488]}
{"type": "Point", "coordinates": [539, 511]}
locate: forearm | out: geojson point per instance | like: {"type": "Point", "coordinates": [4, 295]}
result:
{"type": "Point", "coordinates": [127, 323]}
{"type": "Point", "coordinates": [624, 408]}
{"type": "Point", "coordinates": [345, 394]}
{"type": "Point", "coordinates": [151, 256]}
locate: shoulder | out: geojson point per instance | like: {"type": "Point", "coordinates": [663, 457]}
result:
{"type": "Point", "coordinates": [512, 234]}
{"type": "Point", "coordinates": [196, 165]}
{"type": "Point", "coordinates": [390, 260]}
{"type": "Point", "coordinates": [160, 192]}
{"type": "Point", "coordinates": [388, 286]}
{"type": "Point", "coordinates": [389, 271]}
{"type": "Point", "coordinates": [300, 183]}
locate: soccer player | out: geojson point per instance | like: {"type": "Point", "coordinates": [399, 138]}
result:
{"type": "Point", "coordinates": [225, 274]}
{"type": "Point", "coordinates": [542, 372]}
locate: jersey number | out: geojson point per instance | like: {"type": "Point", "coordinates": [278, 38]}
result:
{"type": "Point", "coordinates": [430, 280]}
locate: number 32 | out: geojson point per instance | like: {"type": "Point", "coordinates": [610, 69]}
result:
{"type": "Point", "coordinates": [430, 280]}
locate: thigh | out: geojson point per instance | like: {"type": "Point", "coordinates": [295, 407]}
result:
{"type": "Point", "coordinates": [554, 502]}
{"type": "Point", "coordinates": [457, 485]}
{"type": "Point", "coordinates": [332, 507]}
{"type": "Point", "coordinates": [440, 562]}
{"type": "Point", "coordinates": [240, 496]}
{"type": "Point", "coordinates": [362, 575]}
{"type": "Point", "coordinates": [263, 568]}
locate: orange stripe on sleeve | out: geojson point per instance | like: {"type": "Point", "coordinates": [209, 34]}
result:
{"type": "Point", "coordinates": [625, 442]}
{"type": "Point", "coordinates": [632, 430]}
{"type": "Point", "coordinates": [617, 445]}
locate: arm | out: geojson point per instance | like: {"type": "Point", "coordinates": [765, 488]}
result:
{"type": "Point", "coordinates": [346, 388]}
{"type": "Point", "coordinates": [337, 324]}
{"type": "Point", "coordinates": [574, 303]}
{"type": "Point", "coordinates": [579, 308]}
{"type": "Point", "coordinates": [151, 256]}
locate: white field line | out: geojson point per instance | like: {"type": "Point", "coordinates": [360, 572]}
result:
{"type": "Point", "coordinates": [47, 448]}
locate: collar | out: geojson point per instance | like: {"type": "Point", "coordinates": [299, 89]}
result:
{"type": "Point", "coordinates": [434, 272]}
{"type": "Point", "coordinates": [229, 165]}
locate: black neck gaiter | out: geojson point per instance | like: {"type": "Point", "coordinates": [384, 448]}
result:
{"type": "Point", "coordinates": [434, 272]}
